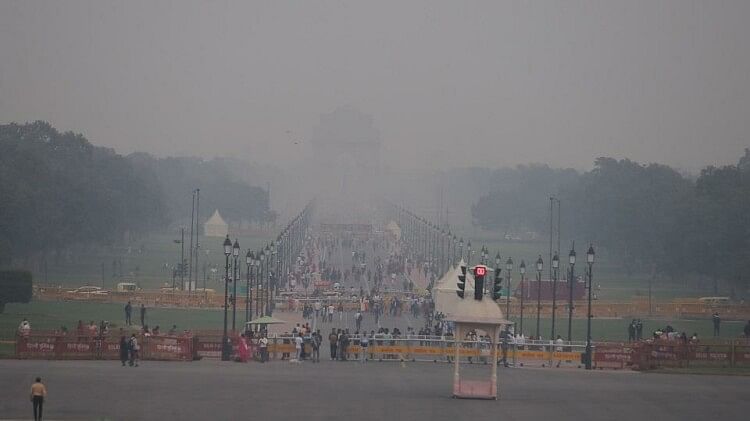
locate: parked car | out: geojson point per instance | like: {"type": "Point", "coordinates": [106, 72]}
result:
{"type": "Point", "coordinates": [89, 290]}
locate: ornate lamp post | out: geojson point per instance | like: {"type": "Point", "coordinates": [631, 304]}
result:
{"type": "Point", "coordinates": [235, 270]}
{"type": "Point", "coordinates": [261, 283]}
{"type": "Point", "coordinates": [555, 266]}
{"type": "Point", "coordinates": [590, 261]}
{"type": "Point", "coordinates": [522, 270]}
{"type": "Point", "coordinates": [571, 283]}
{"type": "Point", "coordinates": [250, 262]}
{"type": "Point", "coordinates": [256, 280]}
{"type": "Point", "coordinates": [539, 267]}
{"type": "Point", "coordinates": [224, 339]}
{"type": "Point", "coordinates": [509, 270]}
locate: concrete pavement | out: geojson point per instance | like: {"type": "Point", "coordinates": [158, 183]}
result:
{"type": "Point", "coordinates": [372, 391]}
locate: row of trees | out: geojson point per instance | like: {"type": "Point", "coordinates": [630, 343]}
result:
{"type": "Point", "coordinates": [645, 216]}
{"type": "Point", "coordinates": [57, 191]}
{"type": "Point", "coordinates": [221, 188]}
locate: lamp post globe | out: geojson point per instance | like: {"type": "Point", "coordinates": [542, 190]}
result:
{"type": "Point", "coordinates": [227, 246]}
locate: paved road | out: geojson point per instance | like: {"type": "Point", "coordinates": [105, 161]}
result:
{"type": "Point", "coordinates": [211, 390]}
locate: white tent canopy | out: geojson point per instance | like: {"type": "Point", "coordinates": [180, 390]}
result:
{"type": "Point", "coordinates": [215, 226]}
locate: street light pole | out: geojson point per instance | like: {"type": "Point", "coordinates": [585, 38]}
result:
{"type": "Point", "coordinates": [555, 266]}
{"type": "Point", "coordinates": [590, 261]}
{"type": "Point", "coordinates": [224, 338]}
{"type": "Point", "coordinates": [571, 280]}
{"type": "Point", "coordinates": [235, 270]}
{"type": "Point", "coordinates": [249, 261]}
{"type": "Point", "coordinates": [256, 280]}
{"type": "Point", "coordinates": [261, 308]}
{"type": "Point", "coordinates": [539, 266]}
{"type": "Point", "coordinates": [509, 269]}
{"type": "Point", "coordinates": [522, 269]}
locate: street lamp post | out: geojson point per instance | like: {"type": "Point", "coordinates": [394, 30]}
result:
{"type": "Point", "coordinates": [235, 270]}
{"type": "Point", "coordinates": [509, 269]}
{"type": "Point", "coordinates": [256, 279]}
{"type": "Point", "coordinates": [522, 269]}
{"type": "Point", "coordinates": [590, 261]}
{"type": "Point", "coordinates": [273, 277]}
{"type": "Point", "coordinates": [571, 280]}
{"type": "Point", "coordinates": [461, 248]}
{"type": "Point", "coordinates": [224, 338]}
{"type": "Point", "coordinates": [539, 267]}
{"type": "Point", "coordinates": [555, 266]}
{"type": "Point", "coordinates": [261, 305]}
{"type": "Point", "coordinates": [468, 253]}
{"type": "Point", "coordinates": [250, 262]}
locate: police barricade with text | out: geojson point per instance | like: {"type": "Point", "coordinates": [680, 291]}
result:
{"type": "Point", "coordinates": [55, 346]}
{"type": "Point", "coordinates": [541, 353]}
{"type": "Point", "coordinates": [674, 353]}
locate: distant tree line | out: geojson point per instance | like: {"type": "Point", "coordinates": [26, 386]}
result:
{"type": "Point", "coordinates": [647, 217]}
{"type": "Point", "coordinates": [220, 188]}
{"type": "Point", "coordinates": [57, 190]}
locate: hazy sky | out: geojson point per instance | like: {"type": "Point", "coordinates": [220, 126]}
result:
{"type": "Point", "coordinates": [496, 82]}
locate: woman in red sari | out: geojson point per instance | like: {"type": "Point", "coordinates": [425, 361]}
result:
{"type": "Point", "coordinates": [244, 351]}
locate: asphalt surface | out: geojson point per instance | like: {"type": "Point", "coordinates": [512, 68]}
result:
{"type": "Point", "coordinates": [211, 390]}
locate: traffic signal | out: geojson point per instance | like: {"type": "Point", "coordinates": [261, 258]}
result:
{"type": "Point", "coordinates": [479, 272]}
{"type": "Point", "coordinates": [461, 282]}
{"type": "Point", "coordinates": [497, 290]}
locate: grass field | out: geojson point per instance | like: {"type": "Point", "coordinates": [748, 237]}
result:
{"type": "Point", "coordinates": [147, 261]}
{"type": "Point", "coordinates": [45, 315]}
{"type": "Point", "coordinates": [615, 282]}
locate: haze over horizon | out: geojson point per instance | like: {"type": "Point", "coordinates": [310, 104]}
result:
{"type": "Point", "coordinates": [446, 83]}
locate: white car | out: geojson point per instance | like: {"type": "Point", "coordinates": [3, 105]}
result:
{"type": "Point", "coordinates": [89, 290]}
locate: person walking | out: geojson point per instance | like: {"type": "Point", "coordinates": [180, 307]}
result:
{"type": "Point", "coordinates": [143, 315]}
{"type": "Point", "coordinates": [747, 329]}
{"type": "Point", "coordinates": [38, 393]}
{"type": "Point", "coordinates": [133, 347]}
{"type": "Point", "coordinates": [364, 343]}
{"type": "Point", "coordinates": [332, 339]}
{"type": "Point", "coordinates": [128, 312]}
{"type": "Point", "coordinates": [298, 344]}
{"type": "Point", "coordinates": [123, 350]}
{"type": "Point", "coordinates": [317, 339]}
{"type": "Point", "coordinates": [631, 331]}
{"type": "Point", "coordinates": [330, 313]}
{"type": "Point", "coordinates": [717, 323]}
{"type": "Point", "coordinates": [358, 320]}
{"type": "Point", "coordinates": [263, 345]}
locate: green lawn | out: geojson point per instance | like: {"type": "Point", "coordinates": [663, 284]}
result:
{"type": "Point", "coordinates": [44, 315]}
{"type": "Point", "coordinates": [50, 315]}
{"type": "Point", "coordinates": [615, 283]}
{"type": "Point", "coordinates": [149, 260]}
{"type": "Point", "coordinates": [617, 329]}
